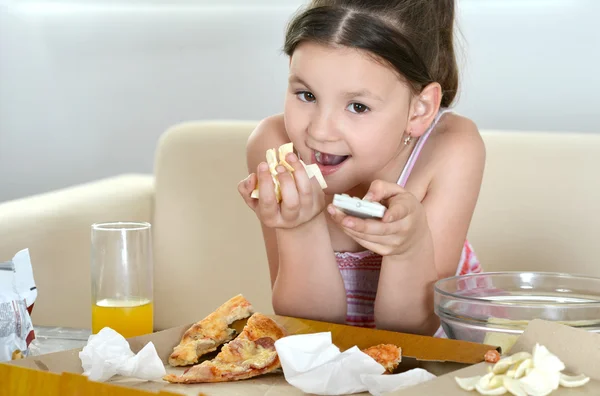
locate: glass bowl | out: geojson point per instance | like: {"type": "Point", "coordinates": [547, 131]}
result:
{"type": "Point", "coordinates": [494, 307]}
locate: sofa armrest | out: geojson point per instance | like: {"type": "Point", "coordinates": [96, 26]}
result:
{"type": "Point", "coordinates": [55, 226]}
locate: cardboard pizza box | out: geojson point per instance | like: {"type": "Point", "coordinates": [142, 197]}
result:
{"type": "Point", "coordinates": [579, 351]}
{"type": "Point", "coordinates": [60, 373]}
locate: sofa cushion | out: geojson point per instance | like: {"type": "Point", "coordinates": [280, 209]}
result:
{"type": "Point", "coordinates": [208, 244]}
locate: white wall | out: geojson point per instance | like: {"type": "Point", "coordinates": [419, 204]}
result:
{"type": "Point", "coordinates": [87, 88]}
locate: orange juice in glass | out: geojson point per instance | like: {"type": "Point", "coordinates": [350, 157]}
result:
{"type": "Point", "coordinates": [122, 278]}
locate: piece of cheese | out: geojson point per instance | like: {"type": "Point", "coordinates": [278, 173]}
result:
{"type": "Point", "coordinates": [523, 374]}
{"type": "Point", "coordinates": [312, 170]}
{"type": "Point", "coordinates": [272, 161]}
{"type": "Point", "coordinates": [284, 150]}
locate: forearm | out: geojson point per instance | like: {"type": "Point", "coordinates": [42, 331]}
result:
{"type": "Point", "coordinates": [411, 274]}
{"type": "Point", "coordinates": [308, 283]}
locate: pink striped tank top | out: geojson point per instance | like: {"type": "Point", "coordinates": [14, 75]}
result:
{"type": "Point", "coordinates": [360, 271]}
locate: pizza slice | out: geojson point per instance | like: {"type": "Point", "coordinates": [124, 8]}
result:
{"type": "Point", "coordinates": [388, 355]}
{"type": "Point", "coordinates": [208, 334]}
{"type": "Point", "coordinates": [250, 354]}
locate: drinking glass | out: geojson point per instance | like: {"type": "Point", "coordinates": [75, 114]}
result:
{"type": "Point", "coordinates": [122, 278]}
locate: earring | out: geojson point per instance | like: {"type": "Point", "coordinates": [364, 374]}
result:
{"type": "Point", "coordinates": [407, 139]}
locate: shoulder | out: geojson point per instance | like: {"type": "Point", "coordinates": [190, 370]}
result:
{"type": "Point", "coordinates": [269, 133]}
{"type": "Point", "coordinates": [459, 136]}
{"type": "Point", "coordinates": [458, 140]}
{"type": "Point", "coordinates": [457, 149]}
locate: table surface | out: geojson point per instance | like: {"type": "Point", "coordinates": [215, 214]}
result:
{"type": "Point", "coordinates": [56, 339]}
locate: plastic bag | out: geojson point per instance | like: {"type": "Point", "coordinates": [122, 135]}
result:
{"type": "Point", "coordinates": [17, 296]}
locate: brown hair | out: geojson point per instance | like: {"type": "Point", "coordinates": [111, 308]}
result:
{"type": "Point", "coordinates": [413, 36]}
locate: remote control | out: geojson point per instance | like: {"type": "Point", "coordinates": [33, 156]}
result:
{"type": "Point", "coordinates": [358, 207]}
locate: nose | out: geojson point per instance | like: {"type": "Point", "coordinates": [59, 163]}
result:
{"type": "Point", "coordinates": [322, 127]}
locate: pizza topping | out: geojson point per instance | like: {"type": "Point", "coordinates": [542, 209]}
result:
{"type": "Point", "coordinates": [266, 342]}
{"type": "Point", "coordinates": [492, 356]}
{"type": "Point", "coordinates": [388, 355]}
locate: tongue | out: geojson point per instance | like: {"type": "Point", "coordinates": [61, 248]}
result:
{"type": "Point", "coordinates": [331, 160]}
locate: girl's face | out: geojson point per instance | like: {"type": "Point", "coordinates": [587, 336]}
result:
{"type": "Point", "coordinates": [347, 113]}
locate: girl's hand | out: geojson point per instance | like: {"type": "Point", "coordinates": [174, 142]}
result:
{"type": "Point", "coordinates": [403, 224]}
{"type": "Point", "coordinates": [302, 199]}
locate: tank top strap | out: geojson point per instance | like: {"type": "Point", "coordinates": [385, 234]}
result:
{"type": "Point", "coordinates": [414, 155]}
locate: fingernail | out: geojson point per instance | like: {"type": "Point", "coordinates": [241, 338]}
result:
{"type": "Point", "coordinates": [280, 169]}
{"type": "Point", "coordinates": [247, 181]}
{"type": "Point", "coordinates": [263, 166]}
{"type": "Point", "coordinates": [291, 157]}
{"type": "Point", "coordinates": [349, 223]}
{"type": "Point", "coordinates": [390, 219]}
{"type": "Point", "coordinates": [368, 197]}
{"type": "Point", "coordinates": [331, 210]}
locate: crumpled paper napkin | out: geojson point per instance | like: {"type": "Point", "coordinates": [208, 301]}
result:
{"type": "Point", "coordinates": [107, 354]}
{"type": "Point", "coordinates": [313, 364]}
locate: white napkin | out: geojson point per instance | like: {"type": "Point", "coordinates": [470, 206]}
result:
{"type": "Point", "coordinates": [378, 385]}
{"type": "Point", "coordinates": [107, 353]}
{"type": "Point", "coordinates": [313, 364]}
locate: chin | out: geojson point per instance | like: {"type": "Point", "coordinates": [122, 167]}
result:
{"type": "Point", "coordinates": [340, 186]}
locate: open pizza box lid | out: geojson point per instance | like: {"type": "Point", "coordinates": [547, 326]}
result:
{"type": "Point", "coordinates": [579, 350]}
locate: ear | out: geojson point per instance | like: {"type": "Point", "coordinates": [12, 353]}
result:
{"type": "Point", "coordinates": [423, 109]}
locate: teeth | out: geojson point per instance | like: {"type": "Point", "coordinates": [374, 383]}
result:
{"type": "Point", "coordinates": [318, 156]}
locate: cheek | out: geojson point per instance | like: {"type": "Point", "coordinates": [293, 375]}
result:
{"type": "Point", "coordinates": [296, 118]}
{"type": "Point", "coordinates": [376, 142]}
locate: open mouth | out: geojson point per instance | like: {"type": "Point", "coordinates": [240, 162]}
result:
{"type": "Point", "coordinates": [329, 159]}
{"type": "Point", "coordinates": [328, 163]}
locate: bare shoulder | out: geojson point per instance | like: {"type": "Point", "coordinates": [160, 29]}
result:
{"type": "Point", "coordinates": [460, 137]}
{"type": "Point", "coordinates": [453, 156]}
{"type": "Point", "coordinates": [458, 145]}
{"type": "Point", "coordinates": [269, 133]}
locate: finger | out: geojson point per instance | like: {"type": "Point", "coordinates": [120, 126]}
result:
{"type": "Point", "coordinates": [370, 226]}
{"type": "Point", "coordinates": [400, 206]}
{"type": "Point", "coordinates": [303, 183]}
{"type": "Point", "coordinates": [267, 201]}
{"type": "Point", "coordinates": [249, 183]}
{"type": "Point", "coordinates": [365, 226]}
{"type": "Point", "coordinates": [380, 190]}
{"type": "Point", "coordinates": [374, 243]}
{"type": "Point", "coordinates": [382, 240]}
{"type": "Point", "coordinates": [245, 188]}
{"type": "Point", "coordinates": [336, 214]}
{"type": "Point", "coordinates": [290, 201]}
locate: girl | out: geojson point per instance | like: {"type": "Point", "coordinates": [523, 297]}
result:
{"type": "Point", "coordinates": [370, 86]}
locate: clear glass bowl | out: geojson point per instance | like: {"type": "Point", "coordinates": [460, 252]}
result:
{"type": "Point", "coordinates": [494, 307]}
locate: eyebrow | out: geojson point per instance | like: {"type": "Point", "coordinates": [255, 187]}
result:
{"type": "Point", "coordinates": [364, 93]}
{"type": "Point", "coordinates": [353, 94]}
{"type": "Point", "coordinates": [295, 79]}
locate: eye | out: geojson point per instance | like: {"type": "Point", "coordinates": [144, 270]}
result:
{"type": "Point", "coordinates": [357, 108]}
{"type": "Point", "coordinates": [305, 96]}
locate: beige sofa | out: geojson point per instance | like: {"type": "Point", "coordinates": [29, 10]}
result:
{"type": "Point", "coordinates": [537, 211]}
